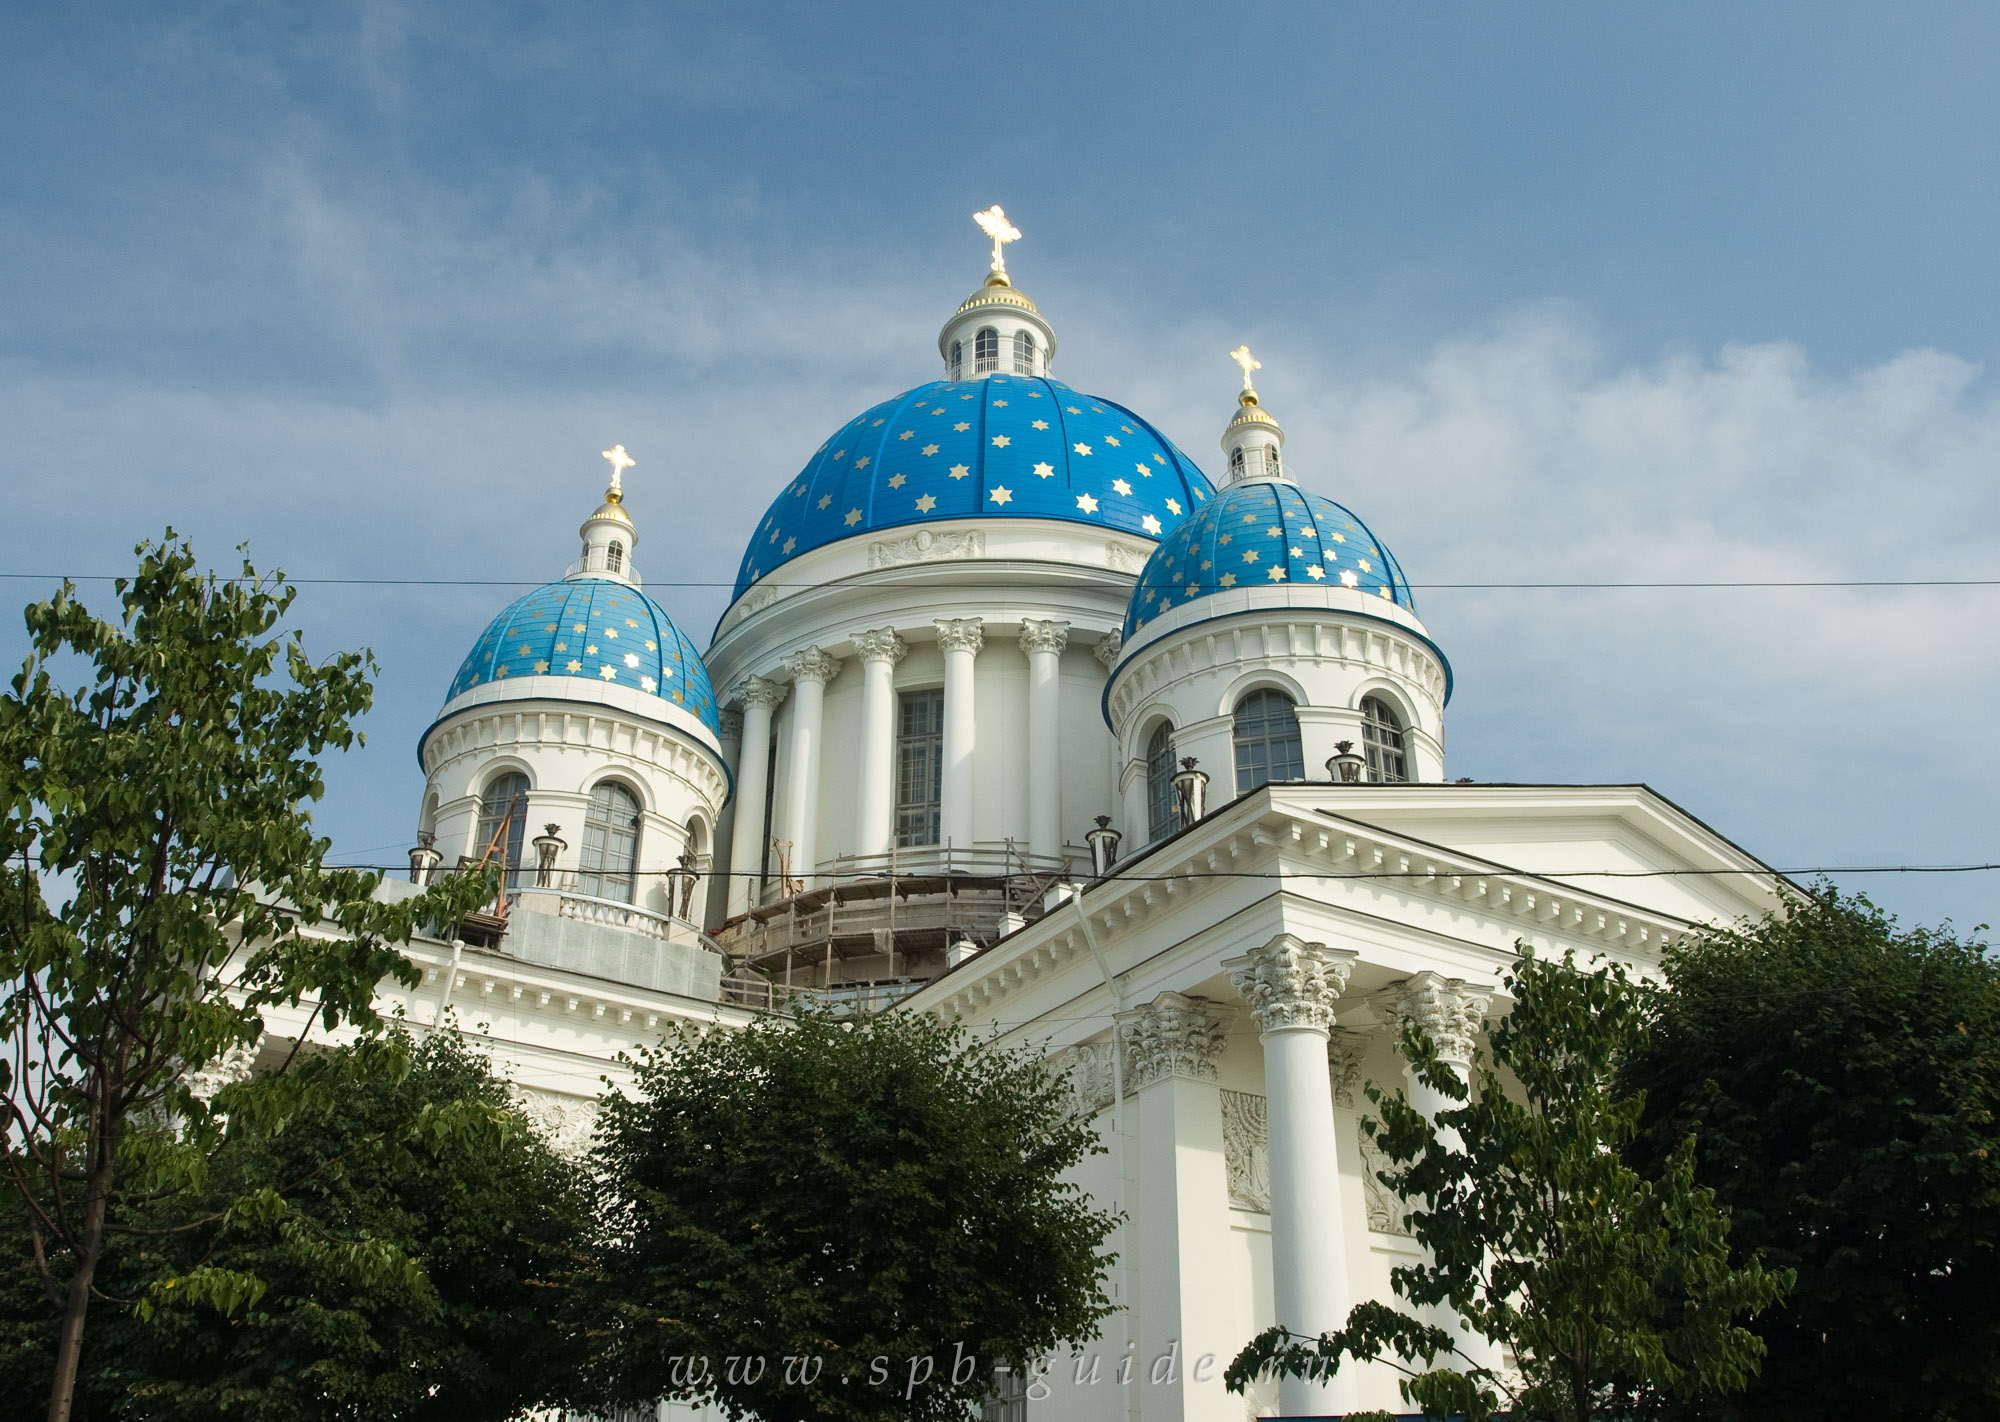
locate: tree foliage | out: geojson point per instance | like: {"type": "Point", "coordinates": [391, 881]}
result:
{"type": "Point", "coordinates": [452, 1316]}
{"type": "Point", "coordinates": [1844, 1075]}
{"type": "Point", "coordinates": [1613, 1288]}
{"type": "Point", "coordinates": [166, 799]}
{"type": "Point", "coordinates": [820, 1219]}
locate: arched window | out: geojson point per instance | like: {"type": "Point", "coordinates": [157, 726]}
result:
{"type": "Point", "coordinates": [985, 351]}
{"type": "Point", "coordinates": [1160, 818]}
{"type": "Point", "coordinates": [614, 557]}
{"type": "Point", "coordinates": [1382, 738]}
{"type": "Point", "coordinates": [1024, 353]}
{"type": "Point", "coordinates": [610, 843]}
{"type": "Point", "coordinates": [957, 359]}
{"type": "Point", "coordinates": [1271, 459]}
{"type": "Point", "coordinates": [1236, 462]}
{"type": "Point", "coordinates": [1267, 741]}
{"type": "Point", "coordinates": [504, 803]}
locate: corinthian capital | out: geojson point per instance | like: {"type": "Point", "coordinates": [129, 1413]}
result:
{"type": "Point", "coordinates": [1449, 1011]}
{"type": "Point", "coordinates": [1172, 1036]}
{"type": "Point", "coordinates": [1106, 651]}
{"type": "Point", "coordinates": [1291, 984]}
{"type": "Point", "coordinates": [755, 691]}
{"type": "Point", "coordinates": [959, 634]}
{"type": "Point", "coordinates": [882, 645]}
{"type": "Point", "coordinates": [812, 665]}
{"type": "Point", "coordinates": [1043, 636]}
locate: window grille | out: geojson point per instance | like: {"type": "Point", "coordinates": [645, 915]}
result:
{"type": "Point", "coordinates": [1161, 819]}
{"type": "Point", "coordinates": [1267, 741]}
{"type": "Point", "coordinates": [610, 844]}
{"type": "Point", "coordinates": [919, 768]}
{"type": "Point", "coordinates": [614, 557]}
{"type": "Point", "coordinates": [1024, 353]}
{"type": "Point", "coordinates": [1236, 463]}
{"type": "Point", "coordinates": [985, 351]}
{"type": "Point", "coordinates": [1382, 739]}
{"type": "Point", "coordinates": [505, 799]}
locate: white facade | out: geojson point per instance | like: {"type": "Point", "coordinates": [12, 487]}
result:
{"type": "Point", "coordinates": [1219, 996]}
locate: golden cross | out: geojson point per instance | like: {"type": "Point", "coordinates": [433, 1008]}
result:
{"type": "Point", "coordinates": [620, 462]}
{"type": "Point", "coordinates": [993, 222]}
{"type": "Point", "coordinates": [1241, 355]}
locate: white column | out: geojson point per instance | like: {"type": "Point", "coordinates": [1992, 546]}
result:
{"type": "Point", "coordinates": [753, 764]}
{"type": "Point", "coordinates": [811, 670]}
{"type": "Point", "coordinates": [875, 808]}
{"type": "Point", "coordinates": [1451, 1012]}
{"type": "Point", "coordinates": [1042, 643]}
{"type": "Point", "coordinates": [1291, 988]}
{"type": "Point", "coordinates": [1185, 1326]}
{"type": "Point", "coordinates": [961, 640]}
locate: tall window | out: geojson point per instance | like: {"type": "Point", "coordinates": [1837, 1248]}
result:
{"type": "Point", "coordinates": [1267, 741]}
{"type": "Point", "coordinates": [505, 802]}
{"type": "Point", "coordinates": [1382, 738]}
{"type": "Point", "coordinates": [919, 767]}
{"type": "Point", "coordinates": [1009, 1400]}
{"type": "Point", "coordinates": [1270, 459]}
{"type": "Point", "coordinates": [610, 844]}
{"type": "Point", "coordinates": [1236, 462]}
{"type": "Point", "coordinates": [1160, 818]}
{"type": "Point", "coordinates": [957, 359]}
{"type": "Point", "coordinates": [985, 351]}
{"type": "Point", "coordinates": [1024, 353]}
{"type": "Point", "coordinates": [614, 557]}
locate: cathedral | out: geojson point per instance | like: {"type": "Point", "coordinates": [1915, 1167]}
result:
{"type": "Point", "coordinates": [1019, 717]}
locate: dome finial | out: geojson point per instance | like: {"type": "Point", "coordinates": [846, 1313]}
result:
{"type": "Point", "coordinates": [1241, 355]}
{"type": "Point", "coordinates": [620, 462]}
{"type": "Point", "coordinates": [993, 222]}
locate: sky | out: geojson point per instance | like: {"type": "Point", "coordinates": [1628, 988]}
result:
{"type": "Point", "coordinates": [1547, 293]}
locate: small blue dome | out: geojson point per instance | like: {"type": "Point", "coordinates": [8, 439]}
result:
{"type": "Point", "coordinates": [600, 630]}
{"type": "Point", "coordinates": [1265, 531]}
{"type": "Point", "coordinates": [1019, 446]}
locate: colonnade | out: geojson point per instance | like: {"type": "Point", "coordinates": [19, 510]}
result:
{"type": "Point", "coordinates": [961, 641]}
{"type": "Point", "coordinates": [1171, 1045]}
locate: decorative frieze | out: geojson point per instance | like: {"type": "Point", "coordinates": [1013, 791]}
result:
{"type": "Point", "coordinates": [926, 546]}
{"type": "Point", "coordinates": [1092, 1074]}
{"type": "Point", "coordinates": [1291, 983]}
{"type": "Point", "coordinates": [1449, 1011]}
{"type": "Point", "coordinates": [1246, 1150]}
{"type": "Point", "coordinates": [567, 1123]}
{"type": "Point", "coordinates": [1043, 636]}
{"type": "Point", "coordinates": [960, 634]}
{"type": "Point", "coordinates": [1171, 1036]}
{"type": "Point", "coordinates": [1385, 1209]}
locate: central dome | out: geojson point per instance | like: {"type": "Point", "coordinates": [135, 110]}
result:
{"type": "Point", "coordinates": [998, 447]}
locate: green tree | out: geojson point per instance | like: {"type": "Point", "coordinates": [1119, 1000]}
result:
{"type": "Point", "coordinates": [1844, 1075]}
{"type": "Point", "coordinates": [166, 797]}
{"type": "Point", "coordinates": [1613, 1288]}
{"type": "Point", "coordinates": [820, 1219]}
{"type": "Point", "coordinates": [496, 1224]}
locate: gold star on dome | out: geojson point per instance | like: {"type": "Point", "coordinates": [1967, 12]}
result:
{"type": "Point", "coordinates": [1228, 580]}
{"type": "Point", "coordinates": [1315, 572]}
{"type": "Point", "coordinates": [650, 686]}
{"type": "Point", "coordinates": [880, 422]}
{"type": "Point", "coordinates": [839, 453]}
{"type": "Point", "coordinates": [1001, 441]}
{"type": "Point", "coordinates": [579, 628]}
{"type": "Point", "coordinates": [500, 673]}
{"type": "Point", "coordinates": [825, 499]}
{"type": "Point", "coordinates": [926, 504]}
{"type": "Point", "coordinates": [1045, 471]}
{"type": "Point", "coordinates": [1072, 409]}
{"type": "Point", "coordinates": [631, 659]}
{"type": "Point", "coordinates": [591, 650]}
{"type": "Point", "coordinates": [898, 480]}
{"type": "Point", "coordinates": [959, 471]}
{"type": "Point", "coordinates": [1151, 525]}
{"type": "Point", "coordinates": [961, 427]}
{"type": "Point", "coordinates": [1350, 580]}
{"type": "Point", "coordinates": [1173, 506]}
{"type": "Point", "coordinates": [541, 667]}
{"type": "Point", "coordinates": [573, 665]}
{"type": "Point", "coordinates": [938, 411]}
{"type": "Point", "coordinates": [562, 646]}
{"type": "Point", "coordinates": [965, 397]}
{"type": "Point", "coordinates": [612, 633]}
{"type": "Point", "coordinates": [1362, 564]}
{"type": "Point", "coordinates": [1081, 448]}
{"type": "Point", "coordinates": [1277, 575]}
{"type": "Point", "coordinates": [651, 645]}
{"type": "Point", "coordinates": [1144, 472]}
{"type": "Point", "coordinates": [1206, 565]}
{"type": "Point", "coordinates": [928, 450]}
{"type": "Point", "coordinates": [1086, 503]}
{"type": "Point", "coordinates": [1295, 552]}
{"type": "Point", "coordinates": [998, 403]}
{"type": "Point", "coordinates": [548, 626]}
{"type": "Point", "coordinates": [1041, 424]}
{"type": "Point", "coordinates": [862, 462]}
{"type": "Point", "coordinates": [1249, 555]}
{"type": "Point", "coordinates": [608, 673]}
{"type": "Point", "coordinates": [853, 517]}
{"type": "Point", "coordinates": [524, 650]}
{"type": "Point", "coordinates": [1002, 495]}
{"type": "Point", "coordinates": [631, 622]}
{"type": "Point", "coordinates": [1224, 540]}
{"type": "Point", "coordinates": [1127, 428]}
{"type": "Point", "coordinates": [790, 544]}
{"type": "Point", "coordinates": [1122, 487]}
{"type": "Point", "coordinates": [907, 434]}
{"type": "Point", "coordinates": [1111, 440]}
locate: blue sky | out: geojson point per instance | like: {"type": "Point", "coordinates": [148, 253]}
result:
{"type": "Point", "coordinates": [1547, 293]}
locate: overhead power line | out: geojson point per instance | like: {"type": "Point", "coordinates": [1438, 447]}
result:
{"type": "Point", "coordinates": [1807, 872]}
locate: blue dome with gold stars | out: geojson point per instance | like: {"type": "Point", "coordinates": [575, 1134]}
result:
{"type": "Point", "coordinates": [1263, 532]}
{"type": "Point", "coordinates": [598, 629]}
{"type": "Point", "coordinates": [1001, 446]}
